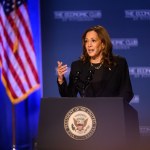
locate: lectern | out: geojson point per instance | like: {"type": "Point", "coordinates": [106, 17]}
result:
{"type": "Point", "coordinates": [107, 123]}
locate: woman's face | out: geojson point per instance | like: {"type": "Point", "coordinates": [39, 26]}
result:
{"type": "Point", "coordinates": [93, 45]}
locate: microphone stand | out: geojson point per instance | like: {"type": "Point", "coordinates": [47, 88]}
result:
{"type": "Point", "coordinates": [84, 84]}
{"type": "Point", "coordinates": [87, 82]}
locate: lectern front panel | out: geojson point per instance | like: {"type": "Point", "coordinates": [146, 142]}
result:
{"type": "Point", "coordinates": [107, 127]}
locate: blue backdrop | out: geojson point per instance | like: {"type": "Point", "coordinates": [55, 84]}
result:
{"type": "Point", "coordinates": [128, 23]}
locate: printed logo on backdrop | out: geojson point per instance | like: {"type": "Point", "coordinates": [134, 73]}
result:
{"type": "Point", "coordinates": [143, 14]}
{"type": "Point", "coordinates": [145, 130]}
{"type": "Point", "coordinates": [80, 123]}
{"type": "Point", "coordinates": [80, 15]}
{"type": "Point", "coordinates": [140, 72]}
{"type": "Point", "coordinates": [124, 43]}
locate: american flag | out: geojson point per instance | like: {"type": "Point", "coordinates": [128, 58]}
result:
{"type": "Point", "coordinates": [17, 56]}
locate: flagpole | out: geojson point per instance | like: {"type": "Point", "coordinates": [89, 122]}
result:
{"type": "Point", "coordinates": [13, 127]}
{"type": "Point", "coordinates": [15, 47]}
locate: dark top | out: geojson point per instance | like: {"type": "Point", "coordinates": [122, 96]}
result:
{"type": "Point", "coordinates": [103, 82]}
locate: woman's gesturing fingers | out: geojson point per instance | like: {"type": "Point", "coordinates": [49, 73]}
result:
{"type": "Point", "coordinates": [61, 69]}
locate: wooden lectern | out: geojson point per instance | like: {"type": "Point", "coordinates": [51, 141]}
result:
{"type": "Point", "coordinates": [115, 124]}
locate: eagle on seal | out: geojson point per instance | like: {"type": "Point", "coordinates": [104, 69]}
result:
{"type": "Point", "coordinates": [80, 124]}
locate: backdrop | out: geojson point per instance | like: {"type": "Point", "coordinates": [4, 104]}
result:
{"type": "Point", "coordinates": [128, 23]}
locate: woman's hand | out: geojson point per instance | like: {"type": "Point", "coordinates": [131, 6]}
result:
{"type": "Point", "coordinates": [61, 70]}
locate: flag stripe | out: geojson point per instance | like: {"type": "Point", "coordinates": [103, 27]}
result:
{"type": "Point", "coordinates": [12, 70]}
{"type": "Point", "coordinates": [13, 60]}
{"type": "Point", "coordinates": [8, 84]}
{"type": "Point", "coordinates": [24, 47]}
{"type": "Point", "coordinates": [7, 37]}
{"type": "Point", "coordinates": [7, 77]}
{"type": "Point", "coordinates": [17, 56]}
{"type": "Point", "coordinates": [27, 56]}
{"type": "Point", "coordinates": [24, 23]}
{"type": "Point", "coordinates": [29, 51]}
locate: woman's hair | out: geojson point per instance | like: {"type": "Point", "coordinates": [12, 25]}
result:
{"type": "Point", "coordinates": [107, 55]}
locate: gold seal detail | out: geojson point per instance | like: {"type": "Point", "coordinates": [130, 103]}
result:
{"type": "Point", "coordinates": [80, 123]}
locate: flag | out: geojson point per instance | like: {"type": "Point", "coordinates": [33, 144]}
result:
{"type": "Point", "coordinates": [17, 54]}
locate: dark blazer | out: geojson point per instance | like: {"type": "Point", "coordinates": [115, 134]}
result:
{"type": "Point", "coordinates": [105, 82]}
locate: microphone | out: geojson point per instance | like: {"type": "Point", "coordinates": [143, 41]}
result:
{"type": "Point", "coordinates": [78, 82]}
{"type": "Point", "coordinates": [82, 85]}
{"type": "Point", "coordinates": [89, 77]}
{"type": "Point", "coordinates": [86, 82]}
{"type": "Point", "coordinates": [76, 77]}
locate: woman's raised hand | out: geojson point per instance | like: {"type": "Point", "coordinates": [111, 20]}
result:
{"type": "Point", "coordinates": [61, 70]}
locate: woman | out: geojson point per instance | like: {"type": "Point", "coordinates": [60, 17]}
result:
{"type": "Point", "coordinates": [98, 73]}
